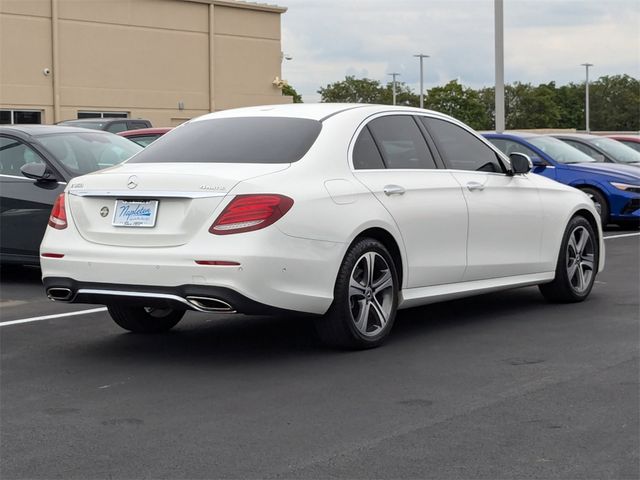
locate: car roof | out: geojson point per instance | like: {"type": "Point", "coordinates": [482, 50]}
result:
{"type": "Point", "coordinates": [312, 111]}
{"type": "Point", "coordinates": [145, 131]}
{"type": "Point", "coordinates": [36, 130]}
{"type": "Point", "coordinates": [633, 138]}
{"type": "Point", "coordinates": [510, 133]}
{"type": "Point", "coordinates": [577, 136]}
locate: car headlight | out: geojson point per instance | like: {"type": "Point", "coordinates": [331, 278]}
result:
{"type": "Point", "coordinates": [626, 187]}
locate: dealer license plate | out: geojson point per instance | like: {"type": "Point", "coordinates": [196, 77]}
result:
{"type": "Point", "coordinates": [135, 213]}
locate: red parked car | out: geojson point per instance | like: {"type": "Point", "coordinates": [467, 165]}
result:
{"type": "Point", "coordinates": [144, 136]}
{"type": "Point", "coordinates": [631, 141]}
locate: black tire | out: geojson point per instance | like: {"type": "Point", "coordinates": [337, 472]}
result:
{"type": "Point", "coordinates": [372, 301]}
{"type": "Point", "coordinates": [145, 319]}
{"type": "Point", "coordinates": [599, 199]}
{"type": "Point", "coordinates": [570, 287]}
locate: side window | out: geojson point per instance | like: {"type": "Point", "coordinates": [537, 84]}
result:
{"type": "Point", "coordinates": [585, 149]}
{"type": "Point", "coordinates": [401, 142]}
{"type": "Point", "coordinates": [365, 153]}
{"type": "Point", "coordinates": [460, 149]}
{"type": "Point", "coordinates": [117, 127]}
{"type": "Point", "coordinates": [14, 154]}
{"type": "Point", "coordinates": [509, 146]}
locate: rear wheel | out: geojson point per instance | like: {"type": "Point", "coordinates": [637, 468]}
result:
{"type": "Point", "coordinates": [365, 298]}
{"type": "Point", "coordinates": [145, 319]}
{"type": "Point", "coordinates": [600, 202]}
{"type": "Point", "coordinates": [577, 264]}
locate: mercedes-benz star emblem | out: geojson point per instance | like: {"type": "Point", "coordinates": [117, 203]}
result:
{"type": "Point", "coordinates": [132, 182]}
{"type": "Point", "coordinates": [104, 211]}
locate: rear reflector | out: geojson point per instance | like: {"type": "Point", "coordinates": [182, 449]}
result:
{"type": "Point", "coordinates": [53, 255]}
{"type": "Point", "coordinates": [217, 262]}
{"type": "Point", "coordinates": [58, 217]}
{"type": "Point", "coordinates": [246, 213]}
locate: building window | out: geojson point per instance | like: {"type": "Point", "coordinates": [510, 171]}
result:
{"type": "Point", "coordinates": [103, 115]}
{"type": "Point", "coordinates": [12, 117]}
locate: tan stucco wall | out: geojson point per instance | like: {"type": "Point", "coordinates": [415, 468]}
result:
{"type": "Point", "coordinates": [138, 56]}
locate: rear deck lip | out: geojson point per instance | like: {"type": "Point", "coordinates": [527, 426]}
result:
{"type": "Point", "coordinates": [146, 193]}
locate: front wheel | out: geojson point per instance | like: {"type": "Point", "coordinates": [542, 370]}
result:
{"type": "Point", "coordinates": [601, 204]}
{"type": "Point", "coordinates": [145, 319]}
{"type": "Point", "coordinates": [365, 298]}
{"type": "Point", "coordinates": [577, 264]}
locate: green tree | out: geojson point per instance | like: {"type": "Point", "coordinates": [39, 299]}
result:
{"type": "Point", "coordinates": [404, 95]}
{"type": "Point", "coordinates": [460, 102]}
{"type": "Point", "coordinates": [289, 91]}
{"type": "Point", "coordinates": [615, 103]}
{"type": "Point", "coordinates": [570, 100]}
{"type": "Point", "coordinates": [527, 106]}
{"type": "Point", "coordinates": [352, 90]}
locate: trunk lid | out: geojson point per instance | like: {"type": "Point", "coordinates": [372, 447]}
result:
{"type": "Point", "coordinates": [187, 195]}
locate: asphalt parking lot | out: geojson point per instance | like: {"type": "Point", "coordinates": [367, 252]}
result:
{"type": "Point", "coordinates": [497, 386]}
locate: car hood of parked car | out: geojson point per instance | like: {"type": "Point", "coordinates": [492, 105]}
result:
{"type": "Point", "coordinates": [629, 172]}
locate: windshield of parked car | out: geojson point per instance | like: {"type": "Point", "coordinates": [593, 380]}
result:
{"type": "Point", "coordinates": [234, 140]}
{"type": "Point", "coordinates": [82, 153]}
{"type": "Point", "coordinates": [560, 151]}
{"type": "Point", "coordinates": [617, 150]}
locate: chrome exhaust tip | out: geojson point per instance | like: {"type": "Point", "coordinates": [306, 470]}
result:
{"type": "Point", "coordinates": [59, 294]}
{"type": "Point", "coordinates": [207, 304]}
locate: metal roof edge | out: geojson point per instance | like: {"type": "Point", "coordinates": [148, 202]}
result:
{"type": "Point", "coordinates": [263, 7]}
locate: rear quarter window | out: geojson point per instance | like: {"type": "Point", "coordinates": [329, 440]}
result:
{"type": "Point", "coordinates": [235, 140]}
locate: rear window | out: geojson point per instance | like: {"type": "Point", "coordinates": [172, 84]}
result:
{"type": "Point", "coordinates": [235, 140]}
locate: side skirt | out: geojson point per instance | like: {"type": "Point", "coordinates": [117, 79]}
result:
{"type": "Point", "coordinates": [413, 297]}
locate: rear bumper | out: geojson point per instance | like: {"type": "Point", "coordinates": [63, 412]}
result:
{"type": "Point", "coordinates": [201, 298]}
{"type": "Point", "coordinates": [273, 271]}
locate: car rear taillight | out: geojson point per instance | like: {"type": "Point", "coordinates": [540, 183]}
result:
{"type": "Point", "coordinates": [58, 217]}
{"type": "Point", "coordinates": [246, 213]}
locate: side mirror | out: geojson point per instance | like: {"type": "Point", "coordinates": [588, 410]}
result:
{"type": "Point", "coordinates": [38, 172]}
{"type": "Point", "coordinates": [598, 157]}
{"type": "Point", "coordinates": [520, 163]}
{"type": "Point", "coordinates": [538, 162]}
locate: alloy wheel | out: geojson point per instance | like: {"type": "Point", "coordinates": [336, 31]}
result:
{"type": "Point", "coordinates": [371, 294]}
{"type": "Point", "coordinates": [580, 259]}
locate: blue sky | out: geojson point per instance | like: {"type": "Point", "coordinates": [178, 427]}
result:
{"type": "Point", "coordinates": [545, 40]}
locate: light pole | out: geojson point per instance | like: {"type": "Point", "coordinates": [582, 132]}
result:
{"type": "Point", "coordinates": [499, 64]}
{"type": "Point", "coordinates": [394, 75]}
{"type": "Point", "coordinates": [421, 57]}
{"type": "Point", "coordinates": [586, 95]}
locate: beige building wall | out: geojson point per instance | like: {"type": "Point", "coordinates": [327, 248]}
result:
{"type": "Point", "coordinates": [163, 60]}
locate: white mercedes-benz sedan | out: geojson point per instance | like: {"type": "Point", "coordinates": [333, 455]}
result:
{"type": "Point", "coordinates": [347, 212]}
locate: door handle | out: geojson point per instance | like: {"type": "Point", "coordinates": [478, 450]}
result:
{"type": "Point", "coordinates": [393, 190]}
{"type": "Point", "coordinates": [475, 186]}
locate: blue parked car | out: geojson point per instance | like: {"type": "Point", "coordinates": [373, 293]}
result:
{"type": "Point", "coordinates": [613, 186]}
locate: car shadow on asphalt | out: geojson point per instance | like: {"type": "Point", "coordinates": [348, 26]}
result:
{"type": "Point", "coordinates": [209, 339]}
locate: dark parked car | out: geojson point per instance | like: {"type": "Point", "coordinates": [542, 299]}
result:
{"type": "Point", "coordinates": [613, 187]}
{"type": "Point", "coordinates": [601, 149]}
{"type": "Point", "coordinates": [113, 125]}
{"type": "Point", "coordinates": [144, 136]}
{"type": "Point", "coordinates": [36, 162]}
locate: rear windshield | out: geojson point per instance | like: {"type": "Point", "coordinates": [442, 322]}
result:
{"type": "Point", "coordinates": [234, 140]}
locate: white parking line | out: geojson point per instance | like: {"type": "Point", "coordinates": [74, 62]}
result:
{"type": "Point", "coordinates": [622, 235]}
{"type": "Point", "coordinates": [49, 317]}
